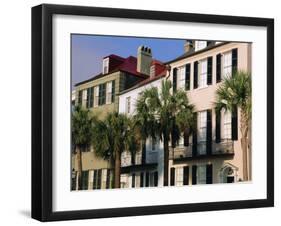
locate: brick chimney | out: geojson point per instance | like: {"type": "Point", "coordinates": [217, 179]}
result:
{"type": "Point", "coordinates": [189, 46]}
{"type": "Point", "coordinates": [144, 60]}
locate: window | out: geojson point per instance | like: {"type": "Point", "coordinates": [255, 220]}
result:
{"type": "Point", "coordinates": [96, 99]}
{"type": "Point", "coordinates": [181, 141]}
{"type": "Point", "coordinates": [102, 93]}
{"type": "Point", "coordinates": [85, 91]}
{"type": "Point", "coordinates": [202, 127]}
{"type": "Point", "coordinates": [201, 174]}
{"type": "Point", "coordinates": [108, 92]}
{"type": "Point", "coordinates": [227, 125]}
{"type": "Point", "coordinates": [181, 78]}
{"type": "Point", "coordinates": [200, 45]}
{"type": "Point", "coordinates": [103, 178]}
{"type": "Point", "coordinates": [153, 144]}
{"type": "Point", "coordinates": [128, 105]}
{"type": "Point", "coordinates": [80, 97]}
{"type": "Point", "coordinates": [179, 176]}
{"type": "Point", "coordinates": [203, 74]}
{"type": "Point", "coordinates": [227, 65]}
{"type": "Point", "coordinates": [90, 97]}
{"type": "Point", "coordinates": [105, 65]}
{"type": "Point", "coordinates": [97, 179]}
{"type": "Point", "coordinates": [85, 180]}
{"type": "Point", "coordinates": [124, 181]}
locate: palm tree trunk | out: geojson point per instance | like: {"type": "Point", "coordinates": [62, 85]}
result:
{"type": "Point", "coordinates": [166, 162]}
{"type": "Point", "coordinates": [244, 145]}
{"type": "Point", "coordinates": [117, 169]}
{"type": "Point", "coordinates": [79, 167]}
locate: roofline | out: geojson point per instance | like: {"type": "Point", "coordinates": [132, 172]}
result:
{"type": "Point", "coordinates": [197, 52]}
{"type": "Point", "coordinates": [104, 75]}
{"type": "Point", "coordinates": [140, 85]}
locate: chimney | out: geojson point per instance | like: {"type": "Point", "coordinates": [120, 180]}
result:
{"type": "Point", "coordinates": [188, 46]}
{"type": "Point", "coordinates": [144, 60]}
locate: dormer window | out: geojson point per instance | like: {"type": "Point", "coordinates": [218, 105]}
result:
{"type": "Point", "coordinates": [200, 45]}
{"type": "Point", "coordinates": [105, 66]}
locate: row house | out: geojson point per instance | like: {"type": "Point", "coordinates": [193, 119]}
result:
{"type": "Point", "coordinates": [100, 94]}
{"type": "Point", "coordinates": [213, 153]}
{"type": "Point", "coordinates": [145, 169]}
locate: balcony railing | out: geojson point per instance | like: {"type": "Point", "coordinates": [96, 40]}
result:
{"type": "Point", "coordinates": [225, 147]}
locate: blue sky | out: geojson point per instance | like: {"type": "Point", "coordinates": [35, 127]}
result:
{"type": "Point", "coordinates": [89, 50]}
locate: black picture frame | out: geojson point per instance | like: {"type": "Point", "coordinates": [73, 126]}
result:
{"type": "Point", "coordinates": [42, 111]}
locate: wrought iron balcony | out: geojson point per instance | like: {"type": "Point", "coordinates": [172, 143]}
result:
{"type": "Point", "coordinates": [225, 147]}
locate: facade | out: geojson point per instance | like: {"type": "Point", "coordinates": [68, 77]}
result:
{"type": "Point", "coordinates": [213, 154]}
{"type": "Point", "coordinates": [100, 94]}
{"type": "Point", "coordinates": [147, 168]}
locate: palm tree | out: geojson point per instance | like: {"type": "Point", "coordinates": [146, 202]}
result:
{"type": "Point", "coordinates": [164, 115]}
{"type": "Point", "coordinates": [82, 124]}
{"type": "Point", "coordinates": [235, 92]}
{"type": "Point", "coordinates": [113, 136]}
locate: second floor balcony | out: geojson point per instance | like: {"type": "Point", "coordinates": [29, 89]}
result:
{"type": "Point", "coordinates": [224, 148]}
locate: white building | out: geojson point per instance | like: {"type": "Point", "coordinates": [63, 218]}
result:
{"type": "Point", "coordinates": [147, 168]}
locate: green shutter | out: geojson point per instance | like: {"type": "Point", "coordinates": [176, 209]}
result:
{"type": "Point", "coordinates": [187, 77]}
{"type": "Point", "coordinates": [194, 174]}
{"type": "Point", "coordinates": [195, 75]}
{"type": "Point", "coordinates": [234, 124]}
{"type": "Point", "coordinates": [210, 70]}
{"type": "Point", "coordinates": [185, 175]}
{"type": "Point", "coordinates": [234, 60]}
{"type": "Point", "coordinates": [218, 68]}
{"type": "Point", "coordinates": [175, 70]}
{"type": "Point", "coordinates": [172, 176]}
{"type": "Point", "coordinates": [209, 174]}
{"type": "Point", "coordinates": [218, 127]}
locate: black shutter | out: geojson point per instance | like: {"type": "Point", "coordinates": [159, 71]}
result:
{"type": "Point", "coordinates": [104, 93]}
{"type": "Point", "coordinates": [133, 180]}
{"type": "Point", "coordinates": [187, 77]}
{"type": "Point", "coordinates": [95, 179]}
{"type": "Point", "coordinates": [194, 174]}
{"type": "Point", "coordinates": [172, 176]}
{"type": "Point", "coordinates": [185, 175]}
{"type": "Point", "coordinates": [218, 68]}
{"type": "Point", "coordinates": [209, 132]}
{"type": "Point", "coordinates": [194, 136]}
{"type": "Point", "coordinates": [143, 154]}
{"type": "Point", "coordinates": [107, 178]}
{"type": "Point", "coordinates": [234, 60]}
{"type": "Point", "coordinates": [209, 174]}
{"type": "Point", "coordinates": [186, 137]}
{"type": "Point", "coordinates": [85, 178]}
{"type": "Point", "coordinates": [195, 76]}
{"type": "Point", "coordinates": [100, 94]}
{"type": "Point", "coordinates": [218, 127]}
{"type": "Point", "coordinates": [141, 179]}
{"type": "Point", "coordinates": [133, 158]}
{"type": "Point", "coordinates": [99, 179]}
{"type": "Point", "coordinates": [113, 92]}
{"type": "Point", "coordinates": [234, 123]}
{"type": "Point", "coordinates": [155, 179]}
{"type": "Point", "coordinates": [175, 70]}
{"type": "Point", "coordinates": [210, 70]}
{"type": "Point", "coordinates": [147, 179]}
